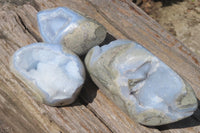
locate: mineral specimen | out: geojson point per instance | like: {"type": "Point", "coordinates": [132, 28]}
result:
{"type": "Point", "coordinates": [140, 84]}
{"type": "Point", "coordinates": [72, 30]}
{"type": "Point", "coordinates": [53, 77]}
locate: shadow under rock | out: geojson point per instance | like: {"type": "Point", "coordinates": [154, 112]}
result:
{"type": "Point", "coordinates": [191, 121]}
{"type": "Point", "coordinates": [89, 90]}
{"type": "Point", "coordinates": [109, 38]}
{"type": "Point", "coordinates": [168, 2]}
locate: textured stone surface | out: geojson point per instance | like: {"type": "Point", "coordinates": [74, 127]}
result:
{"type": "Point", "coordinates": [140, 84]}
{"type": "Point", "coordinates": [72, 30]}
{"type": "Point", "coordinates": [52, 77]}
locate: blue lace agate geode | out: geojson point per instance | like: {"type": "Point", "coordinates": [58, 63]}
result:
{"type": "Point", "coordinates": [75, 32]}
{"type": "Point", "coordinates": [140, 84]}
{"type": "Point", "coordinates": [52, 77]}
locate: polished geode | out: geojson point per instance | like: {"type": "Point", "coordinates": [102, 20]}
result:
{"type": "Point", "coordinates": [74, 31]}
{"type": "Point", "coordinates": [52, 77]}
{"type": "Point", "coordinates": [140, 84]}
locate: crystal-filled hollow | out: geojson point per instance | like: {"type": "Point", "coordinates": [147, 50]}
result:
{"type": "Point", "coordinates": [52, 77]}
{"type": "Point", "coordinates": [139, 83]}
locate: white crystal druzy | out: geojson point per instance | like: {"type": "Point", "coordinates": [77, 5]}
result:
{"type": "Point", "coordinates": [55, 77]}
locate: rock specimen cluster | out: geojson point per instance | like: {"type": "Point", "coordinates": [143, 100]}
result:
{"type": "Point", "coordinates": [139, 83]}
{"type": "Point", "coordinates": [51, 70]}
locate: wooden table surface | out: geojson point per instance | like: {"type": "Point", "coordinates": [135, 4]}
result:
{"type": "Point", "coordinates": [92, 112]}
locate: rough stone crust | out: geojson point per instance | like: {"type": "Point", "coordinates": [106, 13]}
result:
{"type": "Point", "coordinates": [88, 34]}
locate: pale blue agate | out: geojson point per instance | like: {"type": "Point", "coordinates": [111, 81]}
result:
{"type": "Point", "coordinates": [139, 83]}
{"type": "Point", "coordinates": [53, 75]}
{"type": "Point", "coordinates": [55, 23]}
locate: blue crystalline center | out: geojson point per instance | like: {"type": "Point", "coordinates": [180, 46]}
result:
{"type": "Point", "coordinates": [42, 64]}
{"type": "Point", "coordinates": [55, 23]}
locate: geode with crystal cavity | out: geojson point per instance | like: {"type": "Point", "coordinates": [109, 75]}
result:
{"type": "Point", "coordinates": [53, 77]}
{"type": "Point", "coordinates": [140, 84]}
{"type": "Point", "coordinates": [75, 32]}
